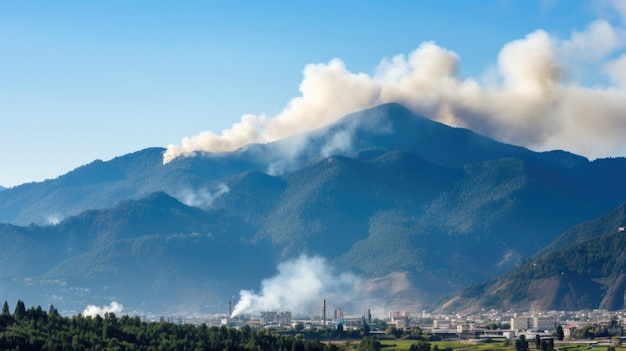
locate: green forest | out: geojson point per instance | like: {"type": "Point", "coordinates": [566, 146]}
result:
{"type": "Point", "coordinates": [36, 329]}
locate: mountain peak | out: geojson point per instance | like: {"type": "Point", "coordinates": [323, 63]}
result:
{"type": "Point", "coordinates": [391, 108]}
{"type": "Point", "coordinates": [394, 127]}
{"type": "Point", "coordinates": [159, 198]}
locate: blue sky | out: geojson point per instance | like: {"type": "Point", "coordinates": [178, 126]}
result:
{"type": "Point", "coordinates": [90, 80]}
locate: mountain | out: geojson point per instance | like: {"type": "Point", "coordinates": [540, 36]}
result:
{"type": "Point", "coordinates": [584, 268]}
{"type": "Point", "coordinates": [409, 205]}
{"type": "Point", "coordinates": [148, 252]}
{"type": "Point", "coordinates": [389, 127]}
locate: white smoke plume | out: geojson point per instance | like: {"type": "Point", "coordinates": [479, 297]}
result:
{"type": "Point", "coordinates": [300, 286]}
{"type": "Point", "coordinates": [54, 219]}
{"type": "Point", "coordinates": [536, 97]}
{"type": "Point", "coordinates": [93, 310]}
{"type": "Point", "coordinates": [204, 197]}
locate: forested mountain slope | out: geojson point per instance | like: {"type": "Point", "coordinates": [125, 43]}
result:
{"type": "Point", "coordinates": [585, 268]}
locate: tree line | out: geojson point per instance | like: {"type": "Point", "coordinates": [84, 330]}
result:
{"type": "Point", "coordinates": [36, 329]}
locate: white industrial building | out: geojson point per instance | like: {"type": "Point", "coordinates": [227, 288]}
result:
{"type": "Point", "coordinates": [535, 323]}
{"type": "Point", "coordinates": [276, 318]}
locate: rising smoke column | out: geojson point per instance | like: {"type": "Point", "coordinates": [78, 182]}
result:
{"type": "Point", "coordinates": [203, 197]}
{"type": "Point", "coordinates": [535, 98]}
{"type": "Point", "coordinates": [300, 285]}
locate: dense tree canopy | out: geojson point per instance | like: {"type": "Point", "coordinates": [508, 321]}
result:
{"type": "Point", "coordinates": [36, 329]}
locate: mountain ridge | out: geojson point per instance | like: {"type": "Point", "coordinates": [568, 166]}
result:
{"type": "Point", "coordinates": [582, 269]}
{"type": "Point", "coordinates": [146, 249]}
{"type": "Point", "coordinates": [101, 184]}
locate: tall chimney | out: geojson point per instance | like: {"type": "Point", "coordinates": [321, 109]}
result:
{"type": "Point", "coordinates": [231, 304]}
{"type": "Point", "coordinates": [324, 313]}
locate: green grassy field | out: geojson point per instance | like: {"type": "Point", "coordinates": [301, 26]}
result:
{"type": "Point", "coordinates": [402, 345]}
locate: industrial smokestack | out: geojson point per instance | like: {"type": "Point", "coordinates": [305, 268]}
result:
{"type": "Point", "coordinates": [231, 305]}
{"type": "Point", "coordinates": [324, 313]}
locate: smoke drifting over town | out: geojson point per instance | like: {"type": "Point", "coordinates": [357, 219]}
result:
{"type": "Point", "coordinates": [300, 286]}
{"type": "Point", "coordinates": [114, 307]}
{"type": "Point", "coordinates": [537, 95]}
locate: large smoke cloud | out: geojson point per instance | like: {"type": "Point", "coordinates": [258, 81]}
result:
{"type": "Point", "coordinates": [300, 286]}
{"type": "Point", "coordinates": [536, 96]}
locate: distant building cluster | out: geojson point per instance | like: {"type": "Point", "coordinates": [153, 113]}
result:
{"type": "Point", "coordinates": [481, 326]}
{"type": "Point", "coordinates": [275, 319]}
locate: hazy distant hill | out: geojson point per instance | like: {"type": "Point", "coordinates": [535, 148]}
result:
{"type": "Point", "coordinates": [414, 207]}
{"type": "Point", "coordinates": [151, 252]}
{"type": "Point", "coordinates": [585, 268]}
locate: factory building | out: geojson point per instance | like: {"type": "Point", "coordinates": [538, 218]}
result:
{"type": "Point", "coordinates": [339, 314]}
{"type": "Point", "coordinates": [273, 318]}
{"type": "Point", "coordinates": [536, 323]}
